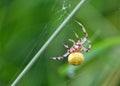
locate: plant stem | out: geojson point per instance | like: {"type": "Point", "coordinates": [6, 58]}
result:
{"type": "Point", "coordinates": [47, 43]}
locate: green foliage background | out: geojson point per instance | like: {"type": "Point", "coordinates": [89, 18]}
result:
{"type": "Point", "coordinates": [25, 25]}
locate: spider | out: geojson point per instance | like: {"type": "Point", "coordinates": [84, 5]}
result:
{"type": "Point", "coordinates": [75, 57]}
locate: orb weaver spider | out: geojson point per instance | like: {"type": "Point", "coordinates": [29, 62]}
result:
{"type": "Point", "coordinates": [75, 57]}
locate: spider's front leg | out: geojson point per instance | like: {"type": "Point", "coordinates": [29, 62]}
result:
{"type": "Point", "coordinates": [84, 31]}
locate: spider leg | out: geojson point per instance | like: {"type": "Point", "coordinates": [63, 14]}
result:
{"type": "Point", "coordinates": [71, 41]}
{"type": "Point", "coordinates": [83, 40]}
{"type": "Point", "coordinates": [61, 57]}
{"type": "Point", "coordinates": [76, 35]}
{"type": "Point", "coordinates": [66, 46]}
{"type": "Point", "coordinates": [83, 29]}
{"type": "Point", "coordinates": [87, 49]}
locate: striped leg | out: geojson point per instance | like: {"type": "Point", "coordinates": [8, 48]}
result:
{"type": "Point", "coordinates": [87, 49]}
{"type": "Point", "coordinates": [61, 57]}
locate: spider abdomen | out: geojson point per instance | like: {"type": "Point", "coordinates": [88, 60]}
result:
{"type": "Point", "coordinates": [75, 58]}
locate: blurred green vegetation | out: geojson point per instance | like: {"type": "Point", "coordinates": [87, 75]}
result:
{"type": "Point", "coordinates": [25, 25]}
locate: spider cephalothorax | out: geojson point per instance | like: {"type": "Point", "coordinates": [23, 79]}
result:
{"type": "Point", "coordinates": [78, 46]}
